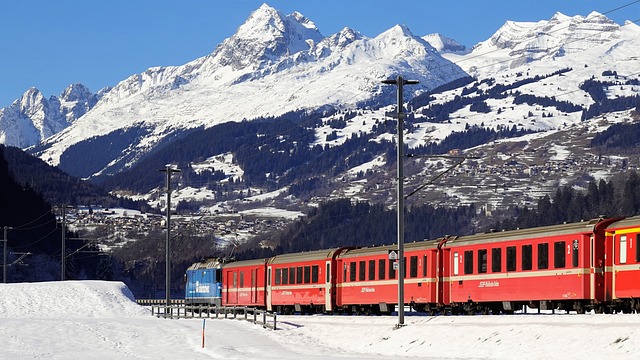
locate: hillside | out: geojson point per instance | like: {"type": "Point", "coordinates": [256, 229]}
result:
{"type": "Point", "coordinates": [524, 105]}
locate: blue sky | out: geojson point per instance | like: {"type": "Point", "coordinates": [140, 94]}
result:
{"type": "Point", "coordinates": [51, 44]}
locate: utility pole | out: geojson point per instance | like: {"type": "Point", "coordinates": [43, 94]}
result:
{"type": "Point", "coordinates": [4, 255]}
{"type": "Point", "coordinates": [400, 82]}
{"type": "Point", "coordinates": [63, 263]}
{"type": "Point", "coordinates": [169, 170]}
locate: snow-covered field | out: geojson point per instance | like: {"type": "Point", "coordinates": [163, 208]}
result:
{"type": "Point", "coordinates": [99, 320]}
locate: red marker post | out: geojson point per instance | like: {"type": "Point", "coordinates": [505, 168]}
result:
{"type": "Point", "coordinates": [203, 322]}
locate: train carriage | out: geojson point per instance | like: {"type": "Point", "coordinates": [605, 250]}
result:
{"type": "Point", "coordinates": [367, 279]}
{"type": "Point", "coordinates": [547, 267]}
{"type": "Point", "coordinates": [203, 283]}
{"type": "Point", "coordinates": [302, 282]}
{"type": "Point", "coordinates": [622, 268]}
{"type": "Point", "coordinates": [244, 283]}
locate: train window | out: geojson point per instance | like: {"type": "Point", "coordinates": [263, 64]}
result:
{"type": "Point", "coordinates": [424, 265]}
{"type": "Point", "coordinates": [292, 275]}
{"type": "Point", "coordinates": [482, 261]}
{"type": "Point", "coordinates": [404, 267]}
{"type": "Point", "coordinates": [242, 279]}
{"type": "Point", "coordinates": [307, 274]}
{"type": "Point", "coordinates": [637, 248]}
{"type": "Point", "coordinates": [413, 266]}
{"type": "Point", "coordinates": [496, 260]}
{"type": "Point", "coordinates": [623, 249]}
{"type": "Point", "coordinates": [278, 276]}
{"type": "Point", "coordinates": [285, 276]}
{"type": "Point", "coordinates": [314, 274]}
{"type": "Point", "coordinates": [575, 254]}
{"type": "Point", "coordinates": [362, 271]}
{"type": "Point", "coordinates": [392, 271]}
{"type": "Point", "coordinates": [352, 271]}
{"type": "Point", "coordinates": [328, 272]}
{"type": "Point", "coordinates": [382, 271]}
{"type": "Point", "coordinates": [468, 262]}
{"type": "Point", "coordinates": [299, 275]}
{"type": "Point", "coordinates": [543, 256]}
{"type": "Point", "coordinates": [511, 258]}
{"type": "Point", "coordinates": [344, 272]}
{"type": "Point", "coordinates": [235, 279]}
{"type": "Point", "coordinates": [527, 257]}
{"type": "Point", "coordinates": [559, 256]}
{"type": "Point", "coordinates": [455, 263]}
{"type": "Point", "coordinates": [372, 269]}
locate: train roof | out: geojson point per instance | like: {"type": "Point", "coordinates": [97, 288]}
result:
{"type": "Point", "coordinates": [532, 233]}
{"type": "Point", "coordinates": [629, 222]}
{"type": "Point", "coordinates": [252, 262]}
{"type": "Point", "coordinates": [210, 263]}
{"type": "Point", "coordinates": [306, 256]}
{"type": "Point", "coordinates": [374, 250]}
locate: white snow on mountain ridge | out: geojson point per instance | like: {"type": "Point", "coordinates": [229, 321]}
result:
{"type": "Point", "coordinates": [342, 70]}
{"type": "Point", "coordinates": [33, 118]}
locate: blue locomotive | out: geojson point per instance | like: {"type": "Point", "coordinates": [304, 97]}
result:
{"type": "Point", "coordinates": [204, 283]}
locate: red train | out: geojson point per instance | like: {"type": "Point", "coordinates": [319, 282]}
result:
{"type": "Point", "coordinates": [579, 266]}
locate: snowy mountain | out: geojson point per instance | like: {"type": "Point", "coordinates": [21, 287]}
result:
{"type": "Point", "coordinates": [444, 44]}
{"type": "Point", "coordinates": [540, 92]}
{"type": "Point", "coordinates": [33, 118]}
{"type": "Point", "coordinates": [519, 43]}
{"type": "Point", "coordinates": [273, 64]}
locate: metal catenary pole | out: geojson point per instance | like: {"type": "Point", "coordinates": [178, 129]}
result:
{"type": "Point", "coordinates": [63, 256]}
{"type": "Point", "coordinates": [4, 255]}
{"type": "Point", "coordinates": [169, 170]}
{"type": "Point", "coordinates": [400, 82]}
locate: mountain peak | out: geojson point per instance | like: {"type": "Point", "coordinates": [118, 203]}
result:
{"type": "Point", "coordinates": [444, 44]}
{"type": "Point", "coordinates": [267, 35]}
{"type": "Point", "coordinates": [399, 30]}
{"type": "Point", "coordinates": [75, 92]}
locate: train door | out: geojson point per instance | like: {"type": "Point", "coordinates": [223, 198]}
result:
{"type": "Point", "coordinates": [328, 289]}
{"type": "Point", "coordinates": [254, 289]}
{"type": "Point", "coordinates": [597, 265]}
{"type": "Point", "coordinates": [444, 275]}
{"type": "Point", "coordinates": [268, 289]}
{"type": "Point", "coordinates": [232, 287]}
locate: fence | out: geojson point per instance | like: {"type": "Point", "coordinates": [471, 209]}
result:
{"type": "Point", "coordinates": [256, 316]}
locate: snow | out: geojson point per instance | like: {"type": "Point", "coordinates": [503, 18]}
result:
{"type": "Point", "coordinates": [100, 320]}
{"type": "Point", "coordinates": [273, 212]}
